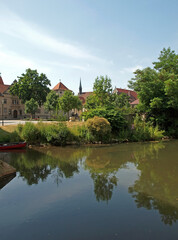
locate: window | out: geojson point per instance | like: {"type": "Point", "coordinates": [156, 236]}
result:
{"type": "Point", "coordinates": [5, 110]}
{"type": "Point", "coordinates": [5, 101]}
{"type": "Point", "coordinates": [10, 111]}
{"type": "Point", "coordinates": [20, 112]}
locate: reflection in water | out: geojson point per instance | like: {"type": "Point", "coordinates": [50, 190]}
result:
{"type": "Point", "coordinates": [154, 188]}
{"type": "Point", "coordinates": [103, 186]}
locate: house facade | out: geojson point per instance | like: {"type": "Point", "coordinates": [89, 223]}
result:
{"type": "Point", "coordinates": [11, 107]}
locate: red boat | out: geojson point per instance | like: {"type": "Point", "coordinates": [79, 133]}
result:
{"type": "Point", "coordinates": [9, 146]}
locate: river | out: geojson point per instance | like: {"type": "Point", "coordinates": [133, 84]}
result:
{"type": "Point", "coordinates": [125, 191]}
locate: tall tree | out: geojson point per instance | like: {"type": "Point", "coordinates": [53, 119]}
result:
{"type": "Point", "coordinates": [157, 90]}
{"type": "Point", "coordinates": [102, 93]}
{"type": "Point", "coordinates": [51, 103]}
{"type": "Point", "coordinates": [31, 106]}
{"type": "Point", "coordinates": [31, 85]}
{"type": "Point", "coordinates": [68, 102]}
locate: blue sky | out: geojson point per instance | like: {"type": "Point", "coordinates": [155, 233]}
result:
{"type": "Point", "coordinates": [69, 39]}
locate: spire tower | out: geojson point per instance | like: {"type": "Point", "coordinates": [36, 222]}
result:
{"type": "Point", "coordinates": [80, 87]}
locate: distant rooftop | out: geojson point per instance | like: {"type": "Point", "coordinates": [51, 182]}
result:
{"type": "Point", "coordinates": [60, 86]}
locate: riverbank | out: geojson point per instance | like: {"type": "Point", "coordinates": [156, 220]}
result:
{"type": "Point", "coordinates": [74, 133]}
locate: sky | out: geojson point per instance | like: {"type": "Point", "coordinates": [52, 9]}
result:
{"type": "Point", "coordinates": [72, 39]}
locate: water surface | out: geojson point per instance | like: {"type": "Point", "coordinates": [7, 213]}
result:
{"type": "Point", "coordinates": [126, 191]}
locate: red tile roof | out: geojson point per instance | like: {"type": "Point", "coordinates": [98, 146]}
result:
{"type": "Point", "coordinates": [135, 102]}
{"type": "Point", "coordinates": [60, 86]}
{"type": "Point", "coordinates": [3, 87]}
{"type": "Point", "coordinates": [128, 92]}
{"type": "Point", "coordinates": [1, 81]}
{"type": "Point", "coordinates": [84, 95]}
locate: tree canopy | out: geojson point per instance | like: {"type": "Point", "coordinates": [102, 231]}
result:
{"type": "Point", "coordinates": [31, 106]}
{"type": "Point", "coordinates": [51, 103]}
{"type": "Point", "coordinates": [68, 102]}
{"type": "Point", "coordinates": [31, 85]}
{"type": "Point", "coordinates": [157, 90]}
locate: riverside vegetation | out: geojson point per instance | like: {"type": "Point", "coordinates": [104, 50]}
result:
{"type": "Point", "coordinates": [94, 130]}
{"type": "Point", "coordinates": [109, 117]}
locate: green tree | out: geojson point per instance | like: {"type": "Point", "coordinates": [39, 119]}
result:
{"type": "Point", "coordinates": [31, 106]}
{"type": "Point", "coordinates": [157, 90]}
{"type": "Point", "coordinates": [31, 85]}
{"type": "Point", "coordinates": [102, 93]}
{"type": "Point", "coordinates": [68, 102]}
{"type": "Point", "coordinates": [51, 103]}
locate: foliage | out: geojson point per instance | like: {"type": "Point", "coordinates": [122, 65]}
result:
{"type": "Point", "coordinates": [31, 106]}
{"type": "Point", "coordinates": [30, 133]}
{"type": "Point", "coordinates": [100, 128]}
{"type": "Point", "coordinates": [68, 102]}
{"type": "Point", "coordinates": [51, 103]}
{"type": "Point", "coordinates": [31, 85]}
{"type": "Point", "coordinates": [115, 117]}
{"type": "Point", "coordinates": [121, 101]}
{"type": "Point", "coordinates": [102, 93]}
{"type": "Point", "coordinates": [57, 134]}
{"type": "Point", "coordinates": [157, 90]}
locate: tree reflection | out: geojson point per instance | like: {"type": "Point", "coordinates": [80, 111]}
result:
{"type": "Point", "coordinates": [156, 187]}
{"type": "Point", "coordinates": [103, 186]}
{"type": "Point", "coordinates": [34, 166]}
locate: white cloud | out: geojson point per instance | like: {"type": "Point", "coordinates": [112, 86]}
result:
{"type": "Point", "coordinates": [14, 26]}
{"type": "Point", "coordinates": [130, 69]}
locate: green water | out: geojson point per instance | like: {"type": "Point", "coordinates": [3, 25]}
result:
{"type": "Point", "coordinates": [126, 191]}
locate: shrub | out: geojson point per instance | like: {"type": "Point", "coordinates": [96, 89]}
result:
{"type": "Point", "coordinates": [30, 133]}
{"type": "Point", "coordinates": [144, 131]}
{"type": "Point", "coordinates": [100, 128]}
{"type": "Point", "coordinates": [15, 137]}
{"type": "Point", "coordinates": [115, 117]}
{"type": "Point", "coordinates": [57, 134]}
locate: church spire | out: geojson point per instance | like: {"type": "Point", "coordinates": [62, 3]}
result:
{"type": "Point", "coordinates": [80, 87]}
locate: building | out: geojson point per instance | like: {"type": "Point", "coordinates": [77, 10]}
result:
{"type": "Point", "coordinates": [83, 95]}
{"type": "Point", "coordinates": [60, 88]}
{"type": "Point", "coordinates": [11, 106]}
{"type": "Point", "coordinates": [132, 94]}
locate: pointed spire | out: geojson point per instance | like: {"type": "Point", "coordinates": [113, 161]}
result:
{"type": "Point", "coordinates": [80, 87]}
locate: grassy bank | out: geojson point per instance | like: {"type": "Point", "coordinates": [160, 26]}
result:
{"type": "Point", "coordinates": [97, 130]}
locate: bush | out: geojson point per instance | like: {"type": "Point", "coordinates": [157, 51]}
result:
{"type": "Point", "coordinates": [115, 117]}
{"type": "Point", "coordinates": [57, 134]}
{"type": "Point", "coordinates": [100, 128]}
{"type": "Point", "coordinates": [84, 135]}
{"type": "Point", "coordinates": [30, 133]}
{"type": "Point", "coordinates": [145, 131]}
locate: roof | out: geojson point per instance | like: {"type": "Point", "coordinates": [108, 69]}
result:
{"type": "Point", "coordinates": [1, 81]}
{"type": "Point", "coordinates": [135, 102]}
{"type": "Point", "coordinates": [128, 92]}
{"type": "Point", "coordinates": [60, 86]}
{"type": "Point", "coordinates": [84, 96]}
{"type": "Point", "coordinates": [3, 87]}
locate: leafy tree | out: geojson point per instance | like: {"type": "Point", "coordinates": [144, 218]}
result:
{"type": "Point", "coordinates": [157, 90]}
{"type": "Point", "coordinates": [102, 93]}
{"type": "Point", "coordinates": [121, 101]}
{"type": "Point", "coordinates": [68, 102]}
{"type": "Point", "coordinates": [31, 106]}
{"type": "Point", "coordinates": [31, 85]}
{"type": "Point", "coordinates": [51, 103]}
